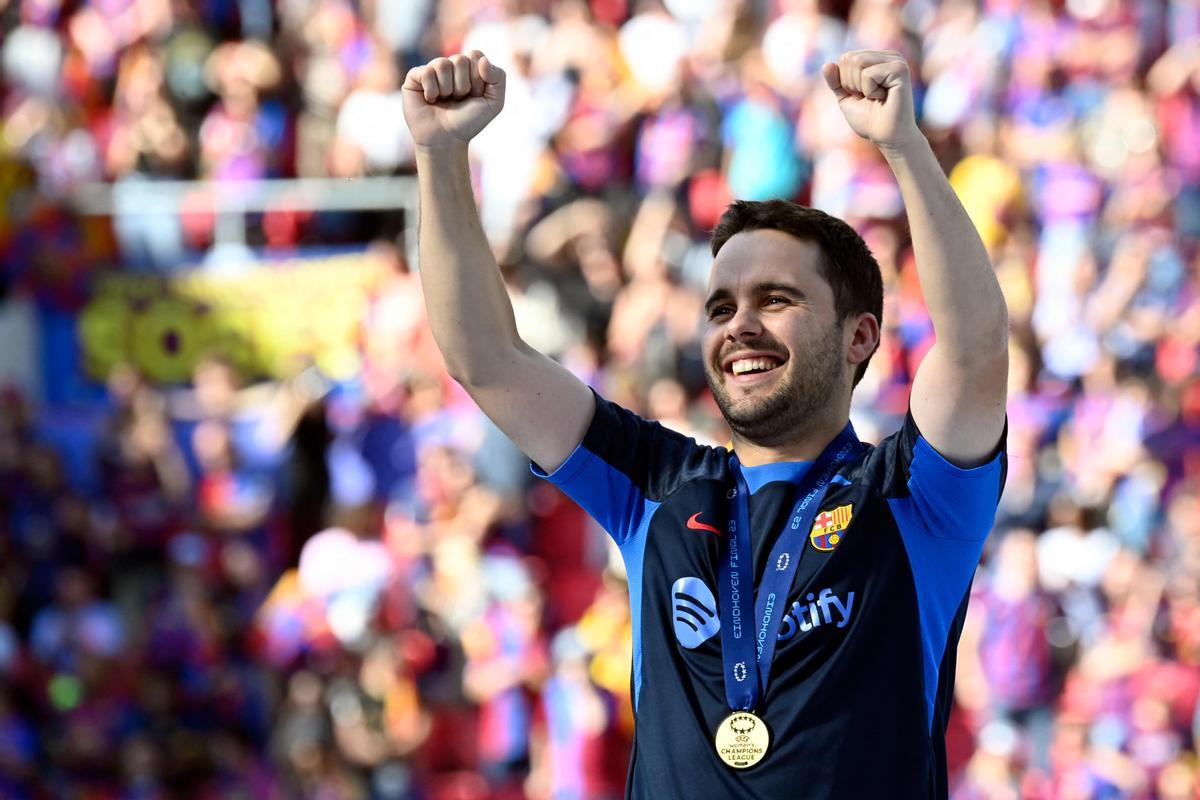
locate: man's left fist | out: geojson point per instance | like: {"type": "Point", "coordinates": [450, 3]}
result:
{"type": "Point", "coordinates": [874, 91]}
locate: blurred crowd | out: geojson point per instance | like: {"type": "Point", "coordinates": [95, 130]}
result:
{"type": "Point", "coordinates": [240, 588]}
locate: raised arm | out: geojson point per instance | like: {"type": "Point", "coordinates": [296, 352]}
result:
{"type": "Point", "coordinates": [959, 390]}
{"type": "Point", "coordinates": [538, 403]}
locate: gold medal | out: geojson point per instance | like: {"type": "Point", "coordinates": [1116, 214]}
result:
{"type": "Point", "coordinates": [742, 740]}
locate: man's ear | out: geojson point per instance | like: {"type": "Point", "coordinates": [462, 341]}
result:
{"type": "Point", "coordinates": [864, 338]}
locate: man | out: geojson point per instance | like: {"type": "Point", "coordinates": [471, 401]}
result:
{"type": "Point", "coordinates": [796, 603]}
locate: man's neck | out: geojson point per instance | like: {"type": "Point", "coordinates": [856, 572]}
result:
{"type": "Point", "coordinates": [807, 446]}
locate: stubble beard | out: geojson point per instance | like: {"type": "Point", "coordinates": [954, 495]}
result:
{"type": "Point", "coordinates": [802, 397]}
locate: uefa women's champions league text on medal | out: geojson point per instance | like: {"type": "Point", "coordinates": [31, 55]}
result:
{"type": "Point", "coordinates": [742, 739]}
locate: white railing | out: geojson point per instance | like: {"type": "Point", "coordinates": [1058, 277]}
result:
{"type": "Point", "coordinates": [231, 201]}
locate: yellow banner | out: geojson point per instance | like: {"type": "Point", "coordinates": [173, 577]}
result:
{"type": "Point", "coordinates": [264, 319]}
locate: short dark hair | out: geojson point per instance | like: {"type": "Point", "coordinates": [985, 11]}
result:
{"type": "Point", "coordinates": [848, 265]}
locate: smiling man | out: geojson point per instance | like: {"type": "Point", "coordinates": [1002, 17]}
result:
{"type": "Point", "coordinates": [796, 602]}
{"type": "Point", "coordinates": [807, 283]}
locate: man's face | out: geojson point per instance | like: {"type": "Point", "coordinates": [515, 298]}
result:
{"type": "Point", "coordinates": [773, 346]}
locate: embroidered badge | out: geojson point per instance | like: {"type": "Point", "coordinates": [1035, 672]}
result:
{"type": "Point", "coordinates": [828, 526]}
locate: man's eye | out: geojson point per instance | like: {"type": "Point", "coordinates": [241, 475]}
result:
{"type": "Point", "coordinates": [719, 311]}
{"type": "Point", "coordinates": [776, 299]}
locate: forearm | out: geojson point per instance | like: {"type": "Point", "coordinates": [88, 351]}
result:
{"type": "Point", "coordinates": [957, 280]}
{"type": "Point", "coordinates": [466, 300]}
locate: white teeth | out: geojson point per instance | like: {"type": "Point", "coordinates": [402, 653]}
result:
{"type": "Point", "coordinates": [747, 364]}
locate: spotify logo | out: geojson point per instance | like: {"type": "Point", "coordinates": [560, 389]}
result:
{"type": "Point", "coordinates": [695, 611]}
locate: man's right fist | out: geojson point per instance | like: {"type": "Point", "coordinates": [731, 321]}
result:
{"type": "Point", "coordinates": [449, 100]}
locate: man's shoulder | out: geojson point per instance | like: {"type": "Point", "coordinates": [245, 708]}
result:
{"type": "Point", "coordinates": [623, 450]}
{"type": "Point", "coordinates": [905, 458]}
{"type": "Point", "coordinates": [623, 437]}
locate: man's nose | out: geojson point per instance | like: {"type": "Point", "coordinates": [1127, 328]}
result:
{"type": "Point", "coordinates": [744, 324]}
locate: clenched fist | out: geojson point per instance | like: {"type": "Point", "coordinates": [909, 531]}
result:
{"type": "Point", "coordinates": [874, 92]}
{"type": "Point", "coordinates": [449, 100]}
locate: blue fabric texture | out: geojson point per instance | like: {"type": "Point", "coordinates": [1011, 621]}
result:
{"type": "Point", "coordinates": [943, 521]}
{"type": "Point", "coordinates": [625, 513]}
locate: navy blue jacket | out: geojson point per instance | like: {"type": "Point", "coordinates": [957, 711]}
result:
{"type": "Point", "coordinates": [862, 679]}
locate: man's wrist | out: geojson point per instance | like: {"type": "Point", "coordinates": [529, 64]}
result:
{"type": "Point", "coordinates": [912, 147]}
{"type": "Point", "coordinates": [451, 149]}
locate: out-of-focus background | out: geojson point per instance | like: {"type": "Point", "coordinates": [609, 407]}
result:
{"type": "Point", "coordinates": [255, 543]}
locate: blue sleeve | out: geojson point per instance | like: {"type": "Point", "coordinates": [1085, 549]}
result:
{"type": "Point", "coordinates": [947, 502]}
{"type": "Point", "coordinates": [620, 474]}
{"type": "Point", "coordinates": [944, 513]}
{"type": "Point", "coordinates": [625, 467]}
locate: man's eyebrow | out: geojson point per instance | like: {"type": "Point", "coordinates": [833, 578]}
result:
{"type": "Point", "coordinates": [717, 296]}
{"type": "Point", "coordinates": [759, 289]}
{"type": "Point", "coordinates": [775, 286]}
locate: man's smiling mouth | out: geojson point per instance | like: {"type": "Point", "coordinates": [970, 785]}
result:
{"type": "Point", "coordinates": [743, 366]}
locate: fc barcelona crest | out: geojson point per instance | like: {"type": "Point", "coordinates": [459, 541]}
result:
{"type": "Point", "coordinates": [828, 527]}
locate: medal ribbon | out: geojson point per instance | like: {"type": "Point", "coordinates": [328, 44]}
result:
{"type": "Point", "coordinates": [747, 646]}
